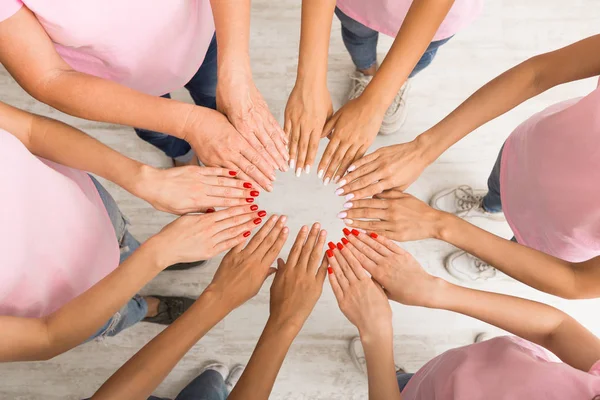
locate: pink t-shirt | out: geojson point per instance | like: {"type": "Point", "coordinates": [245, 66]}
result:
{"type": "Point", "coordinates": [550, 180]}
{"type": "Point", "coordinates": [154, 47]}
{"type": "Point", "coordinates": [56, 239]}
{"type": "Point", "coordinates": [387, 16]}
{"type": "Point", "coordinates": [501, 368]}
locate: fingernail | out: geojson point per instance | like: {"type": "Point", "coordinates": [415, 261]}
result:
{"type": "Point", "coordinates": [330, 270]}
{"type": "Point", "coordinates": [331, 245]}
{"type": "Point", "coordinates": [246, 234]}
{"type": "Point", "coordinates": [346, 231]}
{"type": "Point", "coordinates": [339, 191]}
{"type": "Point", "coordinates": [253, 207]}
{"type": "Point", "coordinates": [355, 232]}
{"type": "Point", "coordinates": [254, 193]}
{"type": "Point", "coordinates": [257, 221]}
{"type": "Point", "coordinates": [247, 185]}
{"type": "Point", "coordinates": [285, 168]}
{"type": "Point", "coordinates": [320, 174]}
{"type": "Point", "coordinates": [351, 168]}
{"type": "Point", "coordinates": [298, 172]}
{"type": "Point", "coordinates": [283, 218]}
{"type": "Point", "coordinates": [339, 246]}
{"type": "Point", "coordinates": [210, 210]}
{"type": "Point", "coordinates": [373, 235]}
{"type": "Point", "coordinates": [345, 241]}
{"type": "Point", "coordinates": [292, 164]}
{"type": "Point", "coordinates": [307, 169]}
{"type": "Point", "coordinates": [348, 205]}
{"type": "Point", "coordinates": [232, 173]}
{"type": "Point", "coordinates": [336, 179]}
{"type": "Point", "coordinates": [249, 200]}
{"type": "Point", "coordinates": [269, 188]}
{"type": "Point", "coordinates": [262, 213]}
{"type": "Point", "coordinates": [326, 181]}
{"type": "Point", "coordinates": [273, 177]}
{"type": "Point", "coordinates": [350, 196]}
{"type": "Point", "coordinates": [342, 182]}
{"type": "Point", "coordinates": [348, 221]}
{"type": "Point", "coordinates": [342, 214]}
{"type": "Point", "coordinates": [329, 253]}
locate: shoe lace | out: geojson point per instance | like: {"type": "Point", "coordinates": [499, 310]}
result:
{"type": "Point", "coordinates": [359, 83]}
{"type": "Point", "coordinates": [481, 265]}
{"type": "Point", "coordinates": [398, 100]}
{"type": "Point", "coordinates": [466, 200]}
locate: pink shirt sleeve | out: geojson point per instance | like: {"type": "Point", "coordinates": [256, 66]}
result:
{"type": "Point", "coordinates": [8, 8]}
{"type": "Point", "coordinates": [595, 370]}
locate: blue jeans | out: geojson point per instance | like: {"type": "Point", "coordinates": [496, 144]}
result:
{"type": "Point", "coordinates": [135, 309]}
{"type": "Point", "coordinates": [361, 43]}
{"type": "Point", "coordinates": [403, 379]}
{"type": "Point", "coordinates": [492, 201]}
{"type": "Point", "coordinates": [208, 386]}
{"type": "Point", "coordinates": [203, 89]}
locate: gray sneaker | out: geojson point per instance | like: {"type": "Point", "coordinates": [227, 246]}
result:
{"type": "Point", "coordinates": [464, 202]}
{"type": "Point", "coordinates": [467, 268]}
{"type": "Point", "coordinates": [395, 115]}
{"type": "Point", "coordinates": [357, 354]}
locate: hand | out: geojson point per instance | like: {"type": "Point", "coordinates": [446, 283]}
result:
{"type": "Point", "coordinates": [351, 131]}
{"type": "Point", "coordinates": [218, 144]}
{"type": "Point", "coordinates": [239, 99]}
{"type": "Point", "coordinates": [244, 269]}
{"type": "Point", "coordinates": [396, 215]}
{"type": "Point", "coordinates": [299, 281]}
{"type": "Point", "coordinates": [362, 300]}
{"type": "Point", "coordinates": [200, 237]}
{"type": "Point", "coordinates": [396, 166]}
{"type": "Point", "coordinates": [397, 271]}
{"type": "Point", "coordinates": [190, 189]}
{"type": "Point", "coordinates": [307, 110]}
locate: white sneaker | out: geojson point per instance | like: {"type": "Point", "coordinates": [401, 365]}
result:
{"type": "Point", "coordinates": [357, 354]}
{"type": "Point", "coordinates": [464, 202]}
{"type": "Point", "coordinates": [359, 83]}
{"type": "Point", "coordinates": [216, 366]}
{"type": "Point", "coordinates": [395, 115]}
{"type": "Point", "coordinates": [468, 268]}
{"type": "Point", "coordinates": [234, 376]}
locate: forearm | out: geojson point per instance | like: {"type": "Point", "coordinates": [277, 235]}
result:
{"type": "Point", "coordinates": [260, 374]}
{"type": "Point", "coordinates": [138, 378]}
{"type": "Point", "coordinates": [232, 25]}
{"type": "Point", "coordinates": [534, 268]}
{"type": "Point", "coordinates": [76, 321]}
{"type": "Point", "coordinates": [381, 371]}
{"type": "Point", "coordinates": [317, 17]}
{"type": "Point", "coordinates": [416, 33]}
{"type": "Point", "coordinates": [533, 321]}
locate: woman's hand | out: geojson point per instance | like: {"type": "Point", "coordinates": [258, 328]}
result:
{"type": "Point", "coordinates": [351, 131]}
{"type": "Point", "coordinates": [396, 166]}
{"type": "Point", "coordinates": [397, 271]}
{"type": "Point", "coordinates": [239, 99]}
{"type": "Point", "coordinates": [190, 189]}
{"type": "Point", "coordinates": [244, 269]}
{"type": "Point", "coordinates": [362, 300]}
{"type": "Point", "coordinates": [200, 237]}
{"type": "Point", "coordinates": [299, 281]}
{"type": "Point", "coordinates": [396, 215]}
{"type": "Point", "coordinates": [307, 110]}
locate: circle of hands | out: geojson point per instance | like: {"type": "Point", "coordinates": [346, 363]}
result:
{"type": "Point", "coordinates": [366, 268]}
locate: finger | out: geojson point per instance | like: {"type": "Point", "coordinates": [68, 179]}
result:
{"type": "Point", "coordinates": [344, 266]}
{"type": "Point", "coordinates": [308, 245]}
{"type": "Point", "coordinates": [335, 161]}
{"type": "Point", "coordinates": [326, 158]}
{"type": "Point", "coordinates": [242, 224]}
{"type": "Point", "coordinates": [280, 239]}
{"type": "Point", "coordinates": [274, 124]}
{"type": "Point", "coordinates": [351, 155]}
{"type": "Point", "coordinates": [361, 178]}
{"type": "Point", "coordinates": [369, 213]}
{"type": "Point", "coordinates": [368, 203]}
{"type": "Point", "coordinates": [237, 243]}
{"type": "Point", "coordinates": [364, 187]}
{"type": "Point", "coordinates": [390, 245]}
{"type": "Point", "coordinates": [238, 173]}
{"type": "Point", "coordinates": [297, 247]}
{"type": "Point", "coordinates": [229, 182]}
{"type": "Point", "coordinates": [280, 264]}
{"type": "Point", "coordinates": [281, 144]}
{"type": "Point", "coordinates": [335, 285]}
{"type": "Point", "coordinates": [252, 130]}
{"type": "Point", "coordinates": [294, 141]}
{"type": "Point", "coordinates": [391, 194]}
{"type": "Point", "coordinates": [267, 137]}
{"type": "Point", "coordinates": [364, 261]}
{"type": "Point", "coordinates": [322, 271]}
{"type": "Point", "coordinates": [305, 133]}
{"type": "Point", "coordinates": [313, 147]}
{"type": "Point", "coordinates": [359, 167]}
{"type": "Point", "coordinates": [317, 252]}
{"type": "Point", "coordinates": [370, 225]}
{"type": "Point", "coordinates": [352, 261]}
{"type": "Point", "coordinates": [356, 239]}
{"type": "Point", "coordinates": [215, 172]}
{"type": "Point", "coordinates": [369, 240]}
{"type": "Point", "coordinates": [330, 125]}
{"type": "Point", "coordinates": [337, 270]}
{"type": "Point", "coordinates": [229, 192]}
{"type": "Point", "coordinates": [231, 212]}
{"type": "Point", "coordinates": [248, 165]}
{"type": "Point", "coordinates": [287, 126]}
{"type": "Point", "coordinates": [263, 232]}
{"type": "Point", "coordinates": [270, 240]}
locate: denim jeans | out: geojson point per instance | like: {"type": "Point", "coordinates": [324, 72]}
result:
{"type": "Point", "coordinates": [492, 201]}
{"type": "Point", "coordinates": [208, 386]}
{"type": "Point", "coordinates": [403, 379]}
{"type": "Point", "coordinates": [135, 309]}
{"type": "Point", "coordinates": [203, 90]}
{"type": "Point", "coordinates": [361, 43]}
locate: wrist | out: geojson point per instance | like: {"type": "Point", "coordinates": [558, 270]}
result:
{"type": "Point", "coordinates": [141, 181]}
{"type": "Point", "coordinates": [154, 251]}
{"type": "Point", "coordinates": [446, 226]}
{"type": "Point", "coordinates": [216, 291]}
{"type": "Point", "coordinates": [314, 76]}
{"type": "Point", "coordinates": [290, 324]}
{"type": "Point", "coordinates": [429, 146]}
{"type": "Point", "coordinates": [376, 333]}
{"type": "Point", "coordinates": [197, 123]}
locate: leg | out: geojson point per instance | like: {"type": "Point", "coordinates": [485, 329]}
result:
{"type": "Point", "coordinates": [428, 56]}
{"type": "Point", "coordinates": [177, 149]}
{"type": "Point", "coordinates": [403, 379]}
{"type": "Point", "coordinates": [203, 85]}
{"type": "Point", "coordinates": [492, 201]}
{"type": "Point", "coordinates": [209, 385]}
{"type": "Point", "coordinates": [361, 43]}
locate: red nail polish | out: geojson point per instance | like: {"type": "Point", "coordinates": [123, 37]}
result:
{"type": "Point", "coordinates": [373, 235]}
{"type": "Point", "coordinates": [339, 246]}
{"type": "Point", "coordinates": [329, 253]}
{"type": "Point", "coordinates": [346, 231]}
{"type": "Point", "coordinates": [257, 221]}
{"type": "Point", "coordinates": [249, 200]}
{"type": "Point", "coordinates": [246, 234]}
{"type": "Point", "coordinates": [345, 241]}
{"type": "Point", "coordinates": [254, 193]}
{"type": "Point", "coordinates": [210, 210]}
{"type": "Point", "coordinates": [247, 185]}
{"type": "Point", "coordinates": [355, 232]}
{"type": "Point", "coordinates": [253, 207]}
{"type": "Point", "coordinates": [262, 213]}
{"type": "Point", "coordinates": [331, 245]}
{"type": "Point", "coordinates": [232, 173]}
{"type": "Point", "coordinates": [330, 270]}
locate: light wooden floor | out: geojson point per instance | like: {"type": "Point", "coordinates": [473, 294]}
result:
{"type": "Point", "coordinates": [318, 366]}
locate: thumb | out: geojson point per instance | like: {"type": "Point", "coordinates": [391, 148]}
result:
{"type": "Point", "coordinates": [391, 194]}
{"type": "Point", "coordinates": [329, 126]}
